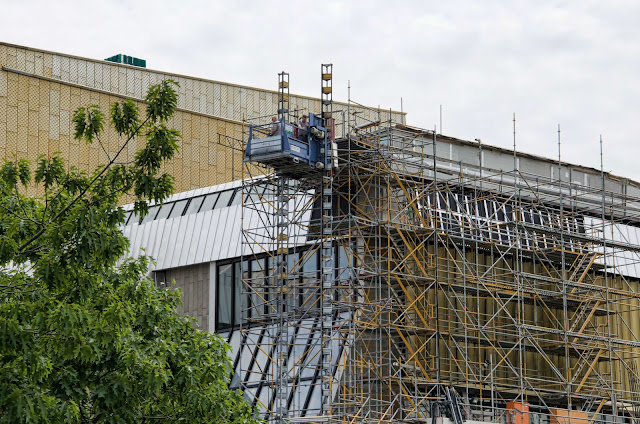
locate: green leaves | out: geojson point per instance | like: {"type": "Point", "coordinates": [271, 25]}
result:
{"type": "Point", "coordinates": [88, 123]}
{"type": "Point", "coordinates": [13, 173]}
{"type": "Point", "coordinates": [124, 118]}
{"type": "Point", "coordinates": [49, 171]}
{"type": "Point", "coordinates": [162, 101]}
{"type": "Point", "coordinates": [83, 339]}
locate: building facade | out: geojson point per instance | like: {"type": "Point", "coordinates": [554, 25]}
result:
{"type": "Point", "coordinates": [39, 90]}
{"type": "Point", "coordinates": [450, 279]}
{"type": "Point", "coordinates": [422, 277]}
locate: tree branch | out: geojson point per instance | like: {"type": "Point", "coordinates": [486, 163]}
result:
{"type": "Point", "coordinates": [79, 196]}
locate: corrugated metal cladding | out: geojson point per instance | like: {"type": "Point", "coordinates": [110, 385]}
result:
{"type": "Point", "coordinates": [195, 235]}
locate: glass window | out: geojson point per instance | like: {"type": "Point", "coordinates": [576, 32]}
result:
{"type": "Point", "coordinates": [453, 202]}
{"type": "Point", "coordinates": [164, 211]}
{"type": "Point", "coordinates": [253, 196]}
{"type": "Point", "coordinates": [225, 295]}
{"type": "Point", "coordinates": [345, 263]}
{"type": "Point", "coordinates": [242, 298]}
{"type": "Point", "coordinates": [223, 201]}
{"type": "Point", "coordinates": [237, 294]}
{"type": "Point", "coordinates": [508, 212]}
{"type": "Point", "coordinates": [310, 284]}
{"type": "Point", "coordinates": [491, 209]}
{"type": "Point", "coordinates": [482, 210]}
{"type": "Point", "coordinates": [500, 214]}
{"type": "Point", "coordinates": [257, 285]}
{"type": "Point", "coordinates": [135, 219]}
{"type": "Point", "coordinates": [153, 210]}
{"type": "Point", "coordinates": [209, 202]}
{"type": "Point", "coordinates": [237, 198]}
{"type": "Point", "coordinates": [194, 205]}
{"type": "Point", "coordinates": [178, 208]}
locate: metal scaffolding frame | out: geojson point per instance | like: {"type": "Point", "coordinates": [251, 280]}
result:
{"type": "Point", "coordinates": [453, 288]}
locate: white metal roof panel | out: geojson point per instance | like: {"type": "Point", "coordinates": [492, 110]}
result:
{"type": "Point", "coordinates": [204, 236]}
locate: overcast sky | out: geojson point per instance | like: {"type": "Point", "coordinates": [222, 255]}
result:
{"type": "Point", "coordinates": [570, 63]}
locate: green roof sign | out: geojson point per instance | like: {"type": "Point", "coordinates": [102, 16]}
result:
{"type": "Point", "coordinates": [127, 60]}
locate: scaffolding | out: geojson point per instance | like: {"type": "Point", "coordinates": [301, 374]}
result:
{"type": "Point", "coordinates": [403, 286]}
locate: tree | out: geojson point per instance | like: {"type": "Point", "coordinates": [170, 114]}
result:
{"type": "Point", "coordinates": [85, 336]}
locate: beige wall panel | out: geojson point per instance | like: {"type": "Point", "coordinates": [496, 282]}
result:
{"type": "Point", "coordinates": [30, 61]}
{"type": "Point", "coordinates": [3, 54]}
{"type": "Point", "coordinates": [139, 91]}
{"type": "Point", "coordinates": [34, 95]}
{"type": "Point", "coordinates": [64, 68]}
{"type": "Point", "coordinates": [3, 139]}
{"type": "Point", "coordinates": [33, 123]}
{"type": "Point", "coordinates": [21, 59]}
{"type": "Point", "coordinates": [12, 57]}
{"type": "Point", "coordinates": [73, 71]}
{"type": "Point", "coordinates": [54, 102]}
{"type": "Point", "coordinates": [22, 139]}
{"type": "Point", "coordinates": [130, 82]}
{"type": "Point", "coordinates": [82, 73]}
{"type": "Point", "coordinates": [12, 87]}
{"type": "Point", "coordinates": [54, 127]}
{"type": "Point", "coordinates": [217, 99]}
{"type": "Point", "coordinates": [56, 71]}
{"type": "Point", "coordinates": [224, 100]}
{"type": "Point", "coordinates": [3, 110]}
{"type": "Point", "coordinates": [65, 97]}
{"type": "Point", "coordinates": [195, 127]}
{"type": "Point", "coordinates": [3, 84]}
{"type": "Point", "coordinates": [39, 63]}
{"type": "Point", "coordinates": [122, 81]}
{"type": "Point", "coordinates": [91, 75]}
{"type": "Point", "coordinates": [23, 88]}
{"type": "Point", "coordinates": [12, 142]}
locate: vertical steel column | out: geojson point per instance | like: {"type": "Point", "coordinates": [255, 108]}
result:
{"type": "Point", "coordinates": [281, 282]}
{"type": "Point", "coordinates": [328, 257]}
{"type": "Point", "coordinates": [283, 96]}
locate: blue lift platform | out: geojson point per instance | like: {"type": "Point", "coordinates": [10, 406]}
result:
{"type": "Point", "coordinates": [292, 150]}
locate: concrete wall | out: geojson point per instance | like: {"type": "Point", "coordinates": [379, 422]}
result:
{"type": "Point", "coordinates": [194, 281]}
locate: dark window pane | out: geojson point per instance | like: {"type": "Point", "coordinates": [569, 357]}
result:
{"type": "Point", "coordinates": [536, 217]}
{"type": "Point", "coordinates": [237, 294]}
{"type": "Point", "coordinates": [491, 209]}
{"type": "Point", "coordinates": [164, 211]}
{"type": "Point", "coordinates": [242, 302]}
{"type": "Point", "coordinates": [453, 202]}
{"type": "Point", "coordinates": [223, 201]}
{"type": "Point", "coordinates": [153, 210]}
{"type": "Point", "coordinates": [237, 198]}
{"type": "Point", "coordinates": [310, 280]}
{"type": "Point", "coordinates": [209, 202]}
{"type": "Point", "coordinates": [225, 295]}
{"type": "Point", "coordinates": [178, 208]}
{"type": "Point", "coordinates": [194, 205]}
{"type": "Point", "coordinates": [500, 214]}
{"type": "Point", "coordinates": [345, 264]}
{"type": "Point", "coordinates": [482, 211]}
{"type": "Point", "coordinates": [508, 211]}
{"type": "Point", "coordinates": [526, 216]}
{"type": "Point", "coordinates": [257, 289]}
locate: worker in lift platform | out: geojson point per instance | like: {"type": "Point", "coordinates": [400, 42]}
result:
{"type": "Point", "coordinates": [276, 126]}
{"type": "Point", "coordinates": [303, 127]}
